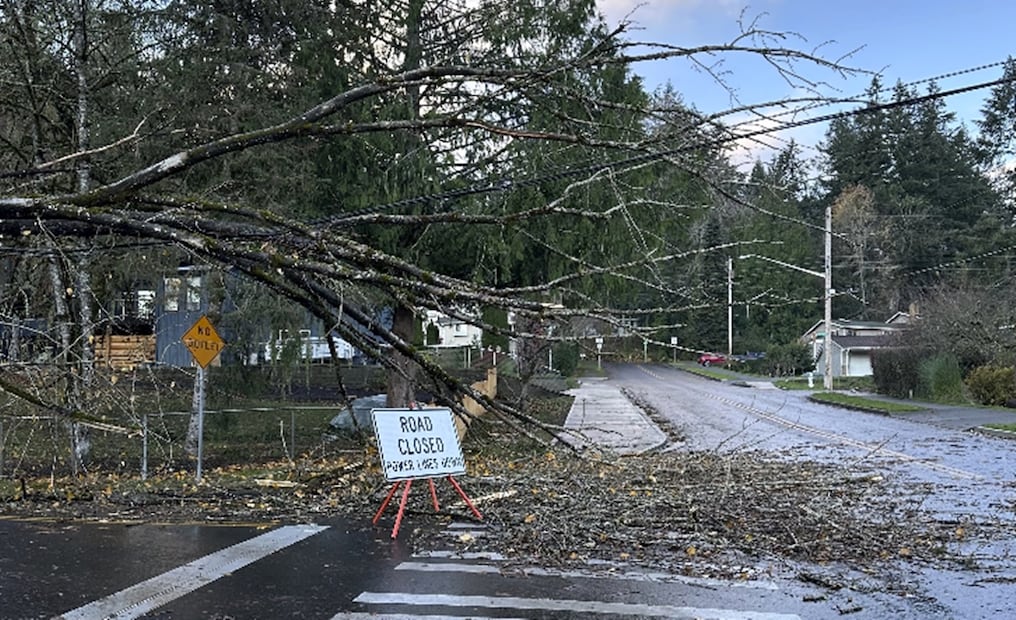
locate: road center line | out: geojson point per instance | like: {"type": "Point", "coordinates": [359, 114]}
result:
{"type": "Point", "coordinates": [575, 606]}
{"type": "Point", "coordinates": [153, 593]}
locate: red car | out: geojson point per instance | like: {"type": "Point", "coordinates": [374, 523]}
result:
{"type": "Point", "coordinates": [708, 359]}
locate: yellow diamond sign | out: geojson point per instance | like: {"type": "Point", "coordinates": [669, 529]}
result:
{"type": "Point", "coordinates": [203, 342]}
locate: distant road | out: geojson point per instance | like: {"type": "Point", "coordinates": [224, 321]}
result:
{"type": "Point", "coordinates": [962, 476]}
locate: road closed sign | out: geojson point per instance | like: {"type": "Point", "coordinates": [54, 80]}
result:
{"type": "Point", "coordinates": [417, 443]}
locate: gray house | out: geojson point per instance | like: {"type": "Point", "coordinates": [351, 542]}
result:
{"type": "Point", "coordinates": [181, 300]}
{"type": "Point", "coordinates": [852, 343]}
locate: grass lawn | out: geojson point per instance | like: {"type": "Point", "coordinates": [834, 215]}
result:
{"type": "Point", "coordinates": [255, 432]}
{"type": "Point", "coordinates": [863, 403]}
{"type": "Point", "coordinates": [839, 383]}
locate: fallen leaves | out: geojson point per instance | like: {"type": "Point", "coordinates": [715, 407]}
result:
{"type": "Point", "coordinates": [664, 510]}
{"type": "Point", "coordinates": [667, 509]}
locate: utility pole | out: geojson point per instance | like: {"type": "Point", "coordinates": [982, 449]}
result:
{"type": "Point", "coordinates": [827, 276]}
{"type": "Point", "coordinates": [730, 306]}
{"type": "Point", "coordinates": [827, 382]}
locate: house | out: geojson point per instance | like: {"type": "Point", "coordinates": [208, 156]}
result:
{"type": "Point", "coordinates": [181, 299]}
{"type": "Point", "coordinates": [184, 296]}
{"type": "Point", "coordinates": [309, 346]}
{"type": "Point", "coordinates": [451, 331]}
{"type": "Point", "coordinates": [853, 343]}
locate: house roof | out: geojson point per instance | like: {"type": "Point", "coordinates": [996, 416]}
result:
{"type": "Point", "coordinates": [839, 324]}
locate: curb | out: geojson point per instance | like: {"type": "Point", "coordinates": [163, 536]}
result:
{"type": "Point", "coordinates": [994, 432]}
{"type": "Point", "coordinates": [851, 407]}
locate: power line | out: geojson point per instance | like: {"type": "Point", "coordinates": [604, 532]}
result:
{"type": "Point", "coordinates": [653, 156]}
{"type": "Point", "coordinates": [960, 261]}
{"type": "Point", "coordinates": [858, 97]}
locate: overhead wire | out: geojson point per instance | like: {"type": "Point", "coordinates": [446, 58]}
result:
{"type": "Point", "coordinates": [651, 156]}
{"type": "Point", "coordinates": [862, 96]}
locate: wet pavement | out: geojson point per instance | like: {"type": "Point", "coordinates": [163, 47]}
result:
{"type": "Point", "coordinates": [92, 570]}
{"type": "Point", "coordinates": [956, 417]}
{"type": "Point", "coordinates": [602, 415]}
{"type": "Point", "coordinates": [341, 570]}
{"type": "Point", "coordinates": [951, 473]}
{"type": "Point", "coordinates": [338, 569]}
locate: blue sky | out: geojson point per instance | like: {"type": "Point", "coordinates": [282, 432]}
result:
{"type": "Point", "coordinates": [903, 40]}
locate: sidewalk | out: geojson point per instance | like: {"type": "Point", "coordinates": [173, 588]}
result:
{"type": "Point", "coordinates": [603, 416]}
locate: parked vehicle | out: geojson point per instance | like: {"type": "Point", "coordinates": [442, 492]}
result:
{"type": "Point", "coordinates": [750, 356]}
{"type": "Point", "coordinates": [711, 359]}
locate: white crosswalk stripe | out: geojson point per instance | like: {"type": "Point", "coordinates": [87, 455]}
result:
{"type": "Point", "coordinates": [536, 571]}
{"type": "Point", "coordinates": [373, 616]}
{"type": "Point", "coordinates": [499, 578]}
{"type": "Point", "coordinates": [565, 605]}
{"type": "Point", "coordinates": [153, 593]}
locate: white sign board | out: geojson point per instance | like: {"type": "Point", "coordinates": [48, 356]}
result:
{"type": "Point", "coordinates": [417, 443]}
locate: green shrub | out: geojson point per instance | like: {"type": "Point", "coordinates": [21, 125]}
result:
{"type": "Point", "coordinates": [566, 358]}
{"type": "Point", "coordinates": [788, 360]}
{"type": "Point", "coordinates": [433, 334]}
{"type": "Point", "coordinates": [940, 379]}
{"type": "Point", "coordinates": [495, 318]}
{"type": "Point", "coordinates": [896, 371]}
{"type": "Point", "coordinates": [992, 385]}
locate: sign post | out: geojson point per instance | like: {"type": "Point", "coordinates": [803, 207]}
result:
{"type": "Point", "coordinates": [599, 351]}
{"type": "Point", "coordinates": [205, 344]}
{"type": "Point", "coordinates": [673, 343]}
{"type": "Point", "coordinates": [415, 444]}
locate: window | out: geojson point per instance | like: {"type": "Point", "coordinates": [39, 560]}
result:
{"type": "Point", "coordinates": [187, 290]}
{"type": "Point", "coordinates": [193, 293]}
{"type": "Point", "coordinates": [172, 292]}
{"type": "Point", "coordinates": [145, 303]}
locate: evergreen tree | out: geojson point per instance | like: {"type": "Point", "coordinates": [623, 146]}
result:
{"type": "Point", "coordinates": [996, 144]}
{"type": "Point", "coordinates": [775, 304]}
{"type": "Point", "coordinates": [927, 194]}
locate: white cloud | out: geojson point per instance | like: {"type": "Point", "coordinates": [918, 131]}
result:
{"type": "Point", "coordinates": [770, 135]}
{"type": "Point", "coordinates": [656, 13]}
{"type": "Point", "coordinates": [748, 150]}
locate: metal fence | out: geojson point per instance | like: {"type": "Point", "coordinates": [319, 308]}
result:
{"type": "Point", "coordinates": [33, 445]}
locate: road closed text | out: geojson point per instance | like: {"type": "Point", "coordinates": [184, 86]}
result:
{"type": "Point", "coordinates": [421, 445]}
{"type": "Point", "coordinates": [415, 443]}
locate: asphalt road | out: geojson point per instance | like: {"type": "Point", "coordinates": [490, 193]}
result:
{"type": "Point", "coordinates": [959, 475]}
{"type": "Point", "coordinates": [336, 570]}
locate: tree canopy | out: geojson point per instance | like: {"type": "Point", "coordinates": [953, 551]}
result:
{"type": "Point", "coordinates": [450, 156]}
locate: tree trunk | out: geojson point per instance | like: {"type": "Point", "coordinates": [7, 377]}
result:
{"type": "Point", "coordinates": [82, 381]}
{"type": "Point", "coordinates": [400, 378]}
{"type": "Point", "coordinates": [62, 320]}
{"type": "Point", "coordinates": [84, 171]}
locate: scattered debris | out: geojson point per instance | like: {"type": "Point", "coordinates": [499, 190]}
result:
{"type": "Point", "coordinates": [276, 484]}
